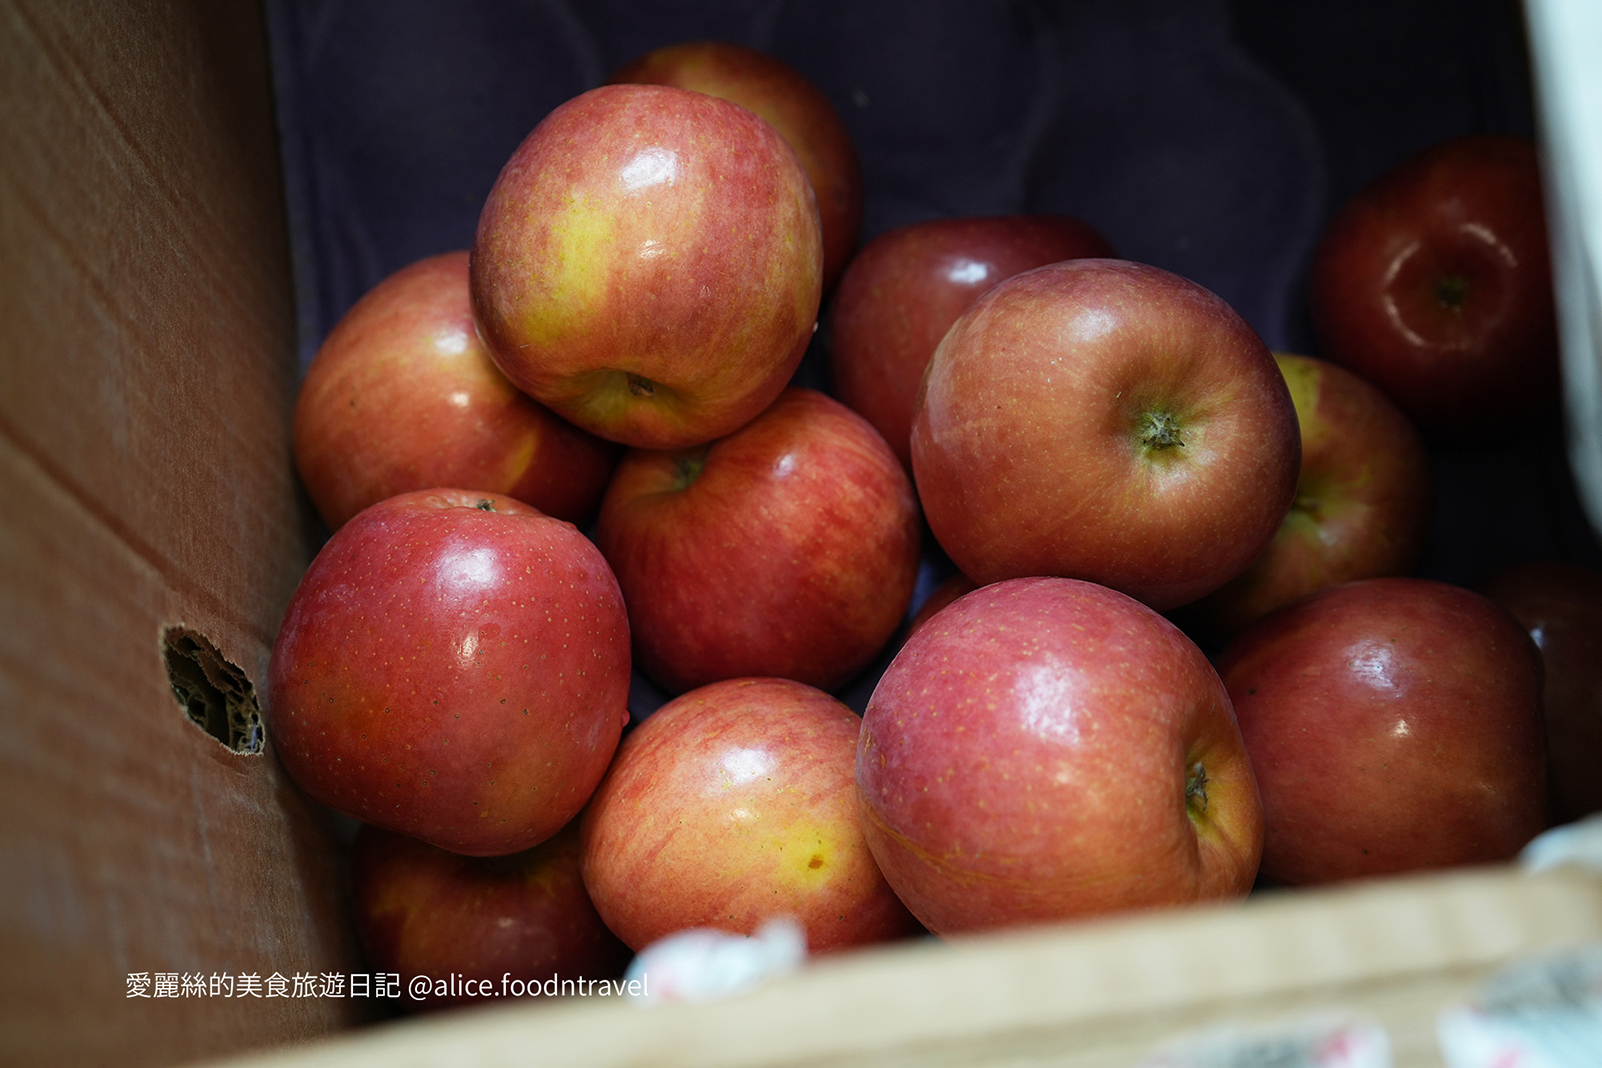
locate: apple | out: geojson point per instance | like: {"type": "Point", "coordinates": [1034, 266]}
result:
{"type": "Point", "coordinates": [1435, 284]}
{"type": "Point", "coordinates": [402, 395]}
{"type": "Point", "coordinates": [473, 925]}
{"type": "Point", "coordinates": [793, 106]}
{"type": "Point", "coordinates": [1560, 605]}
{"type": "Point", "coordinates": [1107, 421]}
{"type": "Point", "coordinates": [1394, 724]}
{"type": "Point", "coordinates": [903, 291]}
{"type": "Point", "coordinates": [1362, 506]}
{"type": "Point", "coordinates": [648, 265]}
{"type": "Point", "coordinates": [1045, 749]}
{"type": "Point", "coordinates": [454, 665]}
{"type": "Point", "coordinates": [731, 805]}
{"type": "Point", "coordinates": [943, 594]}
{"type": "Point", "coordinates": [788, 548]}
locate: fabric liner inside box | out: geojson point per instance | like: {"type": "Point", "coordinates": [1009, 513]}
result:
{"type": "Point", "coordinates": [1210, 138]}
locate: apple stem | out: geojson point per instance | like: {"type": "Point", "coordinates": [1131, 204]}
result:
{"type": "Point", "coordinates": [1196, 787]}
{"type": "Point", "coordinates": [1159, 430]}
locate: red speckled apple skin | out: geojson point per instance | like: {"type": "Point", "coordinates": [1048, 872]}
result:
{"type": "Point", "coordinates": [648, 265]}
{"type": "Point", "coordinates": [404, 396]}
{"type": "Point", "coordinates": [1030, 450]}
{"type": "Point", "coordinates": [1026, 759]}
{"type": "Point", "coordinates": [731, 805]}
{"type": "Point", "coordinates": [793, 552]}
{"type": "Point", "coordinates": [453, 673]}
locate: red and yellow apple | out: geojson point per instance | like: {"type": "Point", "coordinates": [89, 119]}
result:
{"type": "Point", "coordinates": [402, 395]}
{"type": "Point", "coordinates": [731, 805]}
{"type": "Point", "coordinates": [648, 265]}
{"type": "Point", "coordinates": [1107, 421]}
{"type": "Point", "coordinates": [788, 548]}
{"type": "Point", "coordinates": [1045, 749]}
{"type": "Point", "coordinates": [792, 105]}
{"type": "Point", "coordinates": [903, 291]}
{"type": "Point", "coordinates": [1395, 725]}
{"type": "Point", "coordinates": [454, 666]}
{"type": "Point", "coordinates": [473, 924]}
{"type": "Point", "coordinates": [1362, 506]}
{"type": "Point", "coordinates": [1435, 284]}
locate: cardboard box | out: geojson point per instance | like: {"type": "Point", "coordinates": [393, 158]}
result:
{"type": "Point", "coordinates": [1095, 994]}
{"type": "Point", "coordinates": [146, 377]}
{"type": "Point", "coordinates": [153, 531]}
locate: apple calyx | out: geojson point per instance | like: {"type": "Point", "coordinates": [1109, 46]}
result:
{"type": "Point", "coordinates": [1196, 791]}
{"type": "Point", "coordinates": [640, 386]}
{"type": "Point", "coordinates": [485, 505]}
{"type": "Point", "coordinates": [1160, 430]}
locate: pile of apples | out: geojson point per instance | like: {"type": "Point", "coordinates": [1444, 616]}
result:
{"type": "Point", "coordinates": [1091, 442]}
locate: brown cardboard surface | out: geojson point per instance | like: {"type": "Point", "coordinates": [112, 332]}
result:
{"type": "Point", "coordinates": [1099, 994]}
{"type": "Point", "coordinates": [146, 376]}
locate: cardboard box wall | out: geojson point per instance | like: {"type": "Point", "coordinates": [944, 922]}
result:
{"type": "Point", "coordinates": [146, 378]}
{"type": "Point", "coordinates": [148, 340]}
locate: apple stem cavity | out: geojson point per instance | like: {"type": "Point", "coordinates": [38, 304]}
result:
{"type": "Point", "coordinates": [688, 467]}
{"type": "Point", "coordinates": [1452, 292]}
{"type": "Point", "coordinates": [1159, 430]}
{"type": "Point", "coordinates": [1196, 789]}
{"type": "Point", "coordinates": [641, 387]}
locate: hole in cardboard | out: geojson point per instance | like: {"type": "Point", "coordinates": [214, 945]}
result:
{"type": "Point", "coordinates": [215, 694]}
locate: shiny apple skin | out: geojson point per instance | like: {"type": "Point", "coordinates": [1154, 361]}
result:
{"type": "Point", "coordinates": [1028, 445]}
{"type": "Point", "coordinates": [402, 395]}
{"type": "Point", "coordinates": [1560, 605]}
{"type": "Point", "coordinates": [1026, 757]}
{"type": "Point", "coordinates": [648, 265]}
{"type": "Point", "coordinates": [901, 294]}
{"type": "Point", "coordinates": [451, 672]}
{"type": "Point", "coordinates": [1466, 215]}
{"type": "Point", "coordinates": [422, 910]}
{"type": "Point", "coordinates": [1394, 724]}
{"type": "Point", "coordinates": [792, 553]}
{"type": "Point", "coordinates": [731, 805]}
{"type": "Point", "coordinates": [1362, 506]}
{"type": "Point", "coordinates": [792, 105]}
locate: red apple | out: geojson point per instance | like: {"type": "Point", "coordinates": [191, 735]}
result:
{"type": "Point", "coordinates": [904, 290]}
{"type": "Point", "coordinates": [402, 395]}
{"type": "Point", "coordinates": [731, 805]}
{"type": "Point", "coordinates": [478, 927]}
{"type": "Point", "coordinates": [648, 265]}
{"type": "Point", "coordinates": [943, 594]}
{"type": "Point", "coordinates": [1362, 506]}
{"type": "Point", "coordinates": [1108, 421]}
{"type": "Point", "coordinates": [1435, 284]}
{"type": "Point", "coordinates": [1394, 725]}
{"type": "Point", "coordinates": [1045, 749]}
{"type": "Point", "coordinates": [792, 105]}
{"type": "Point", "coordinates": [1560, 605]}
{"type": "Point", "coordinates": [789, 548]}
{"type": "Point", "coordinates": [453, 666]}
